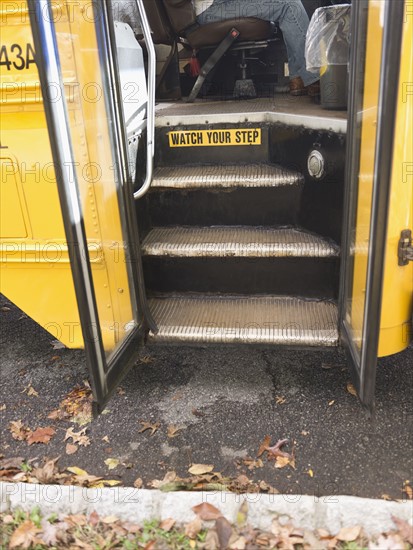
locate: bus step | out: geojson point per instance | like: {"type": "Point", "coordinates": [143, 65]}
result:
{"type": "Point", "coordinates": [224, 176]}
{"type": "Point", "coordinates": [239, 241]}
{"type": "Point", "coordinates": [266, 320]}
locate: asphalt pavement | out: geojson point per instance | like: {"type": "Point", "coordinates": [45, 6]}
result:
{"type": "Point", "coordinates": [224, 402]}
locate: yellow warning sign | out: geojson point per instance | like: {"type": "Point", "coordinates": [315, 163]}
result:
{"type": "Point", "coordinates": [214, 138]}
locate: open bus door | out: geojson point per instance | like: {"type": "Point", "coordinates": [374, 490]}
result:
{"type": "Point", "coordinates": [95, 190]}
{"type": "Point", "coordinates": [377, 29]}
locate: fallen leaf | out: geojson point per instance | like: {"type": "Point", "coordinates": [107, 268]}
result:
{"type": "Point", "coordinates": [280, 400]}
{"type": "Point", "coordinates": [351, 389]}
{"type": "Point", "coordinates": [41, 435]}
{"type": "Point", "coordinates": [331, 403]}
{"type": "Point", "coordinates": [389, 542]}
{"type": "Point", "coordinates": [264, 446]}
{"type": "Point", "coordinates": [146, 360]}
{"type": "Point", "coordinates": [138, 483]}
{"type": "Point", "coordinates": [148, 426]}
{"type": "Point", "coordinates": [94, 518]}
{"type": "Point", "coordinates": [8, 518]}
{"type": "Point", "coordinates": [47, 473]}
{"type": "Point", "coordinates": [408, 490]}
{"type": "Point", "coordinates": [172, 431]}
{"type": "Point", "coordinates": [77, 519]}
{"type": "Point", "coordinates": [71, 449]}
{"type": "Point", "coordinates": [111, 482]}
{"type": "Point", "coordinates": [3, 407]}
{"type": "Point", "coordinates": [109, 519]}
{"type": "Point", "coordinates": [56, 344]}
{"type": "Point", "coordinates": [206, 511]}
{"type": "Point", "coordinates": [224, 530]}
{"type": "Point", "coordinates": [282, 462]}
{"type": "Point", "coordinates": [112, 463]}
{"type": "Point", "coordinates": [242, 514]}
{"type": "Point", "coordinates": [305, 433]}
{"type": "Point", "coordinates": [349, 534]}
{"type": "Point", "coordinates": [193, 528]}
{"type": "Point", "coordinates": [78, 437]}
{"type": "Point", "coordinates": [200, 469]}
{"type": "Point", "coordinates": [25, 536]}
{"type": "Point", "coordinates": [14, 462]}
{"type": "Point", "coordinates": [105, 438]}
{"type": "Point", "coordinates": [18, 431]}
{"type": "Point", "coordinates": [405, 529]}
{"type": "Point", "coordinates": [310, 473]}
{"type": "Point", "coordinates": [77, 471]}
{"type": "Point", "coordinates": [5, 308]}
{"type": "Point", "coordinates": [31, 391]}
{"type": "Point", "coordinates": [385, 496]}
{"type": "Point", "coordinates": [253, 464]}
{"type": "Point", "coordinates": [167, 524]}
{"type": "Point", "coordinates": [197, 413]}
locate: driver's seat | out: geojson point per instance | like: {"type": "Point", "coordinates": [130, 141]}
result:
{"type": "Point", "coordinates": [177, 18]}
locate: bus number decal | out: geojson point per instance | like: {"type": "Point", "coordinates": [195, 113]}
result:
{"type": "Point", "coordinates": [16, 56]}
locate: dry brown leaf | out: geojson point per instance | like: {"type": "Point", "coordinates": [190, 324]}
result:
{"type": "Point", "coordinates": [331, 403]}
{"type": "Point", "coordinates": [71, 449]}
{"type": "Point", "coordinates": [108, 520]}
{"type": "Point", "coordinates": [351, 389]}
{"type": "Point", "coordinates": [237, 543]}
{"type": "Point", "coordinates": [105, 438]}
{"type": "Point", "coordinates": [349, 534]}
{"type": "Point", "coordinates": [408, 490]}
{"type": "Point", "coordinates": [264, 446]}
{"type": "Point", "coordinates": [206, 511]}
{"type": "Point", "coordinates": [18, 431]}
{"type": "Point", "coordinates": [25, 536]}
{"type": "Point", "coordinates": [224, 530]}
{"type": "Point", "coordinates": [30, 391]}
{"type": "Point", "coordinates": [280, 400]}
{"type": "Point", "coordinates": [41, 435]}
{"type": "Point", "coordinates": [3, 407]}
{"type": "Point", "coordinates": [77, 519]}
{"type": "Point", "coordinates": [172, 431]}
{"type": "Point", "coordinates": [47, 473]}
{"type": "Point", "coordinates": [282, 462]}
{"type": "Point", "coordinates": [253, 464]}
{"type": "Point", "coordinates": [200, 469]}
{"type": "Point", "coordinates": [193, 528]}
{"type": "Point", "coordinates": [405, 529]}
{"type": "Point", "coordinates": [167, 524]}
{"type": "Point", "coordinates": [138, 483]}
{"type": "Point", "coordinates": [148, 426]}
{"type": "Point", "coordinates": [11, 463]}
{"type": "Point", "coordinates": [80, 438]}
{"type": "Point", "coordinates": [385, 496]}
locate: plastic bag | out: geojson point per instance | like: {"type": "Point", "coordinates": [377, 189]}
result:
{"type": "Point", "coordinates": [328, 37]}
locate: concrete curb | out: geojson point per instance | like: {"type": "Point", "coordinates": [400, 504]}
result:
{"type": "Point", "coordinates": [137, 505]}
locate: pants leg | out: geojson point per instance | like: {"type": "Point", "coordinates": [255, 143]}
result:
{"type": "Point", "coordinates": [289, 14]}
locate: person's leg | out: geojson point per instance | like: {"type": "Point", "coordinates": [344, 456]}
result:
{"type": "Point", "coordinates": [290, 15]}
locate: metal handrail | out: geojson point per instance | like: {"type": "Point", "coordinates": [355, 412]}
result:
{"type": "Point", "coordinates": [150, 124]}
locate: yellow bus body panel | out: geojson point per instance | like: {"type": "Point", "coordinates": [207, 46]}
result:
{"type": "Point", "coordinates": [396, 330]}
{"type": "Point", "coordinates": [35, 267]}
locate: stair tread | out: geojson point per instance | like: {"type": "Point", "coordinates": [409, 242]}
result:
{"type": "Point", "coordinates": [239, 241]}
{"type": "Point", "coordinates": [272, 320]}
{"type": "Point", "coordinates": [224, 176]}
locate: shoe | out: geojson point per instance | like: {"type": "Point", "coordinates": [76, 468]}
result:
{"type": "Point", "coordinates": [297, 87]}
{"type": "Point", "coordinates": [313, 90]}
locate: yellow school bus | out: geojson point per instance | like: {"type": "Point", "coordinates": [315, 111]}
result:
{"type": "Point", "coordinates": [131, 215]}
